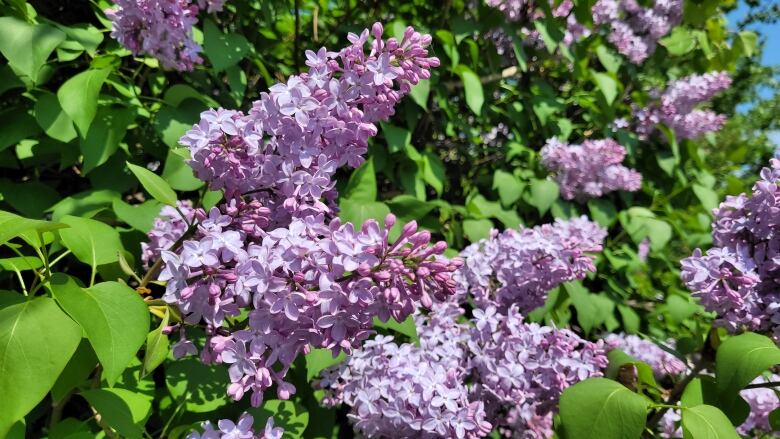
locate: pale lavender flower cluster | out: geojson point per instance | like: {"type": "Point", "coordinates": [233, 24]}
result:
{"type": "Point", "coordinates": [635, 30]}
{"type": "Point", "coordinates": [520, 369]}
{"type": "Point", "coordinates": [737, 278]}
{"type": "Point", "coordinates": [590, 169]}
{"type": "Point", "coordinates": [161, 29]}
{"type": "Point", "coordinates": [519, 267]}
{"type": "Point", "coordinates": [243, 429]}
{"type": "Point", "coordinates": [762, 402]}
{"type": "Point", "coordinates": [527, 11]}
{"type": "Point", "coordinates": [663, 363]}
{"type": "Point", "coordinates": [676, 107]}
{"type": "Point", "coordinates": [168, 227]}
{"type": "Point", "coordinates": [409, 391]}
{"type": "Point", "coordinates": [515, 372]}
{"type": "Point", "coordinates": [273, 251]}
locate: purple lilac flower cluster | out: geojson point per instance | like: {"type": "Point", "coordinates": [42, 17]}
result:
{"type": "Point", "coordinates": [676, 107]}
{"type": "Point", "coordinates": [409, 391]}
{"type": "Point", "coordinates": [737, 278]}
{"type": "Point", "coordinates": [160, 28]}
{"type": "Point", "coordinates": [590, 169]}
{"type": "Point", "coordinates": [635, 30]}
{"type": "Point", "coordinates": [527, 11]}
{"type": "Point", "coordinates": [274, 248]}
{"type": "Point", "coordinates": [243, 429]}
{"type": "Point", "coordinates": [663, 363]}
{"type": "Point", "coordinates": [168, 227]}
{"type": "Point", "coordinates": [519, 267]}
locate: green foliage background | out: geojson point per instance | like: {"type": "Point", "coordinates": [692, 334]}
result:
{"type": "Point", "coordinates": [82, 122]}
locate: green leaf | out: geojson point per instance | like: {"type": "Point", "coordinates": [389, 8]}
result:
{"type": "Point", "coordinates": [643, 224]}
{"type": "Point", "coordinates": [114, 317]}
{"type": "Point", "coordinates": [12, 225]}
{"type": "Point", "coordinates": [397, 138]}
{"type": "Point", "coordinates": [123, 410]}
{"type": "Point", "coordinates": [320, 359]}
{"type": "Point", "coordinates": [78, 97]}
{"type": "Point", "coordinates": [607, 85]}
{"type": "Point", "coordinates": [602, 211]}
{"type": "Point", "coordinates": [420, 92]}
{"type": "Point", "coordinates": [20, 263]}
{"type": "Point", "coordinates": [15, 126]}
{"type": "Point", "coordinates": [78, 369]}
{"type": "Point", "coordinates": [237, 82]}
{"type": "Point", "coordinates": [86, 35]}
{"type": "Point", "coordinates": [31, 198]}
{"type": "Point", "coordinates": [476, 229]}
{"type": "Point", "coordinates": [52, 119]}
{"type": "Point", "coordinates": [608, 59]}
{"type": "Point", "coordinates": [748, 41]}
{"type": "Point", "coordinates": [201, 387]}
{"type": "Point", "coordinates": [357, 212]}
{"type": "Point", "coordinates": [508, 186]}
{"type": "Point", "coordinates": [599, 408]}
{"type": "Point", "coordinates": [706, 422]}
{"type": "Point", "coordinates": [739, 360]}
{"type": "Point", "coordinates": [138, 216]}
{"type": "Point", "coordinates": [92, 242]}
{"type": "Point", "coordinates": [179, 174]}
{"type": "Point", "coordinates": [223, 50]}
{"type": "Point", "coordinates": [362, 183]}
{"type": "Point", "coordinates": [543, 194]}
{"type": "Point", "coordinates": [173, 122]}
{"type": "Point", "coordinates": [154, 184]}
{"type": "Point", "coordinates": [36, 341]}
{"type": "Point", "coordinates": [703, 390]}
{"type": "Point", "coordinates": [679, 42]}
{"type": "Point", "coordinates": [433, 172]}
{"type": "Point", "coordinates": [709, 199]}
{"type": "Point", "coordinates": [407, 327]}
{"type": "Point", "coordinates": [157, 347]}
{"type": "Point", "coordinates": [104, 135]}
{"type": "Point", "coordinates": [28, 46]}
{"type": "Point", "coordinates": [292, 417]}
{"type": "Point", "coordinates": [475, 96]}
{"type": "Point", "coordinates": [408, 207]}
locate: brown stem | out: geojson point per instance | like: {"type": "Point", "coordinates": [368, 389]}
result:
{"type": "Point", "coordinates": [56, 409]}
{"type": "Point", "coordinates": [760, 385]}
{"type": "Point", "coordinates": [676, 393]}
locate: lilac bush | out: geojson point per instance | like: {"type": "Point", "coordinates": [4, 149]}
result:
{"type": "Point", "coordinates": [519, 267]}
{"type": "Point", "coordinates": [274, 248]}
{"type": "Point", "coordinates": [243, 429]}
{"type": "Point", "coordinates": [663, 363]}
{"type": "Point", "coordinates": [527, 11]}
{"type": "Point", "coordinates": [676, 107]}
{"type": "Point", "coordinates": [737, 278]}
{"type": "Point", "coordinates": [634, 30]}
{"type": "Point", "coordinates": [161, 29]}
{"type": "Point", "coordinates": [168, 227]}
{"type": "Point", "coordinates": [590, 169]}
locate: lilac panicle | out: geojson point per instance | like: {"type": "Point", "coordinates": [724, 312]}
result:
{"type": "Point", "coordinates": [160, 28]}
{"type": "Point", "coordinates": [168, 227]}
{"type": "Point", "coordinates": [737, 278]}
{"type": "Point", "coordinates": [663, 363]}
{"type": "Point", "coordinates": [243, 429]}
{"type": "Point", "coordinates": [634, 30]}
{"type": "Point", "coordinates": [677, 107]}
{"type": "Point", "coordinates": [410, 391]}
{"type": "Point", "coordinates": [273, 250]}
{"type": "Point", "coordinates": [519, 267]}
{"type": "Point", "coordinates": [589, 170]}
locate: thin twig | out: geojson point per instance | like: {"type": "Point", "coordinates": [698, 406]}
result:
{"type": "Point", "coordinates": [760, 385]}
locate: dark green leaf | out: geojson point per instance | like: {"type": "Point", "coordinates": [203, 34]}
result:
{"type": "Point", "coordinates": [27, 46]}
{"type": "Point", "coordinates": [78, 97]}
{"type": "Point", "coordinates": [739, 360]}
{"type": "Point", "coordinates": [362, 183]}
{"type": "Point", "coordinates": [223, 50]}
{"type": "Point", "coordinates": [52, 119]}
{"type": "Point", "coordinates": [123, 410]}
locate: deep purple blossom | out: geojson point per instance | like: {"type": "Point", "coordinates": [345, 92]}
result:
{"type": "Point", "coordinates": [589, 170]}
{"type": "Point", "coordinates": [737, 278]}
{"type": "Point", "coordinates": [160, 28]}
{"type": "Point", "coordinates": [634, 29]}
{"type": "Point", "coordinates": [519, 267]}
